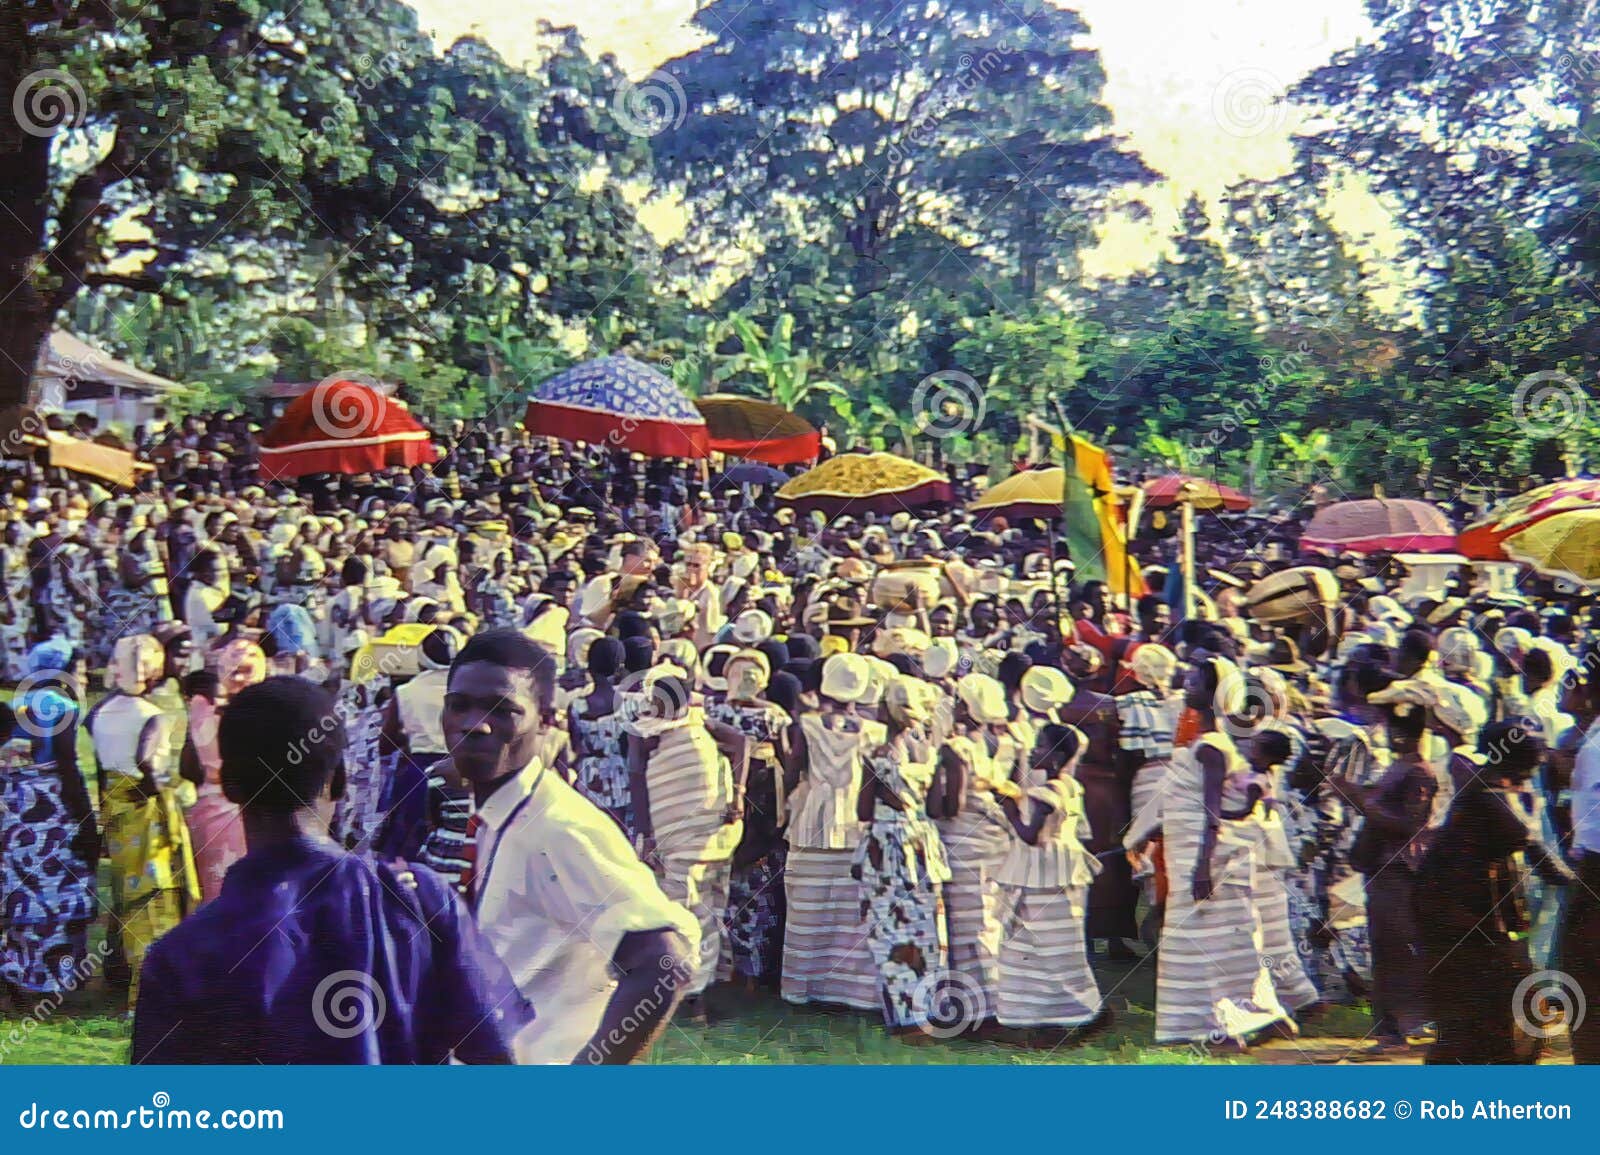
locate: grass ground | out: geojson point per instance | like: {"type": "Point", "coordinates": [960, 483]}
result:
{"type": "Point", "coordinates": [91, 1028]}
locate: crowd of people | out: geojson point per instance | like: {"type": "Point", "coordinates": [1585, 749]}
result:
{"type": "Point", "coordinates": [551, 744]}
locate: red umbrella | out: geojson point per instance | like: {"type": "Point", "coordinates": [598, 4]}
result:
{"type": "Point", "coordinates": [1376, 525]}
{"type": "Point", "coordinates": [621, 403]}
{"type": "Point", "coordinates": [343, 427]}
{"type": "Point", "coordinates": [758, 430]}
{"type": "Point", "coordinates": [1485, 540]}
{"type": "Point", "coordinates": [1175, 487]}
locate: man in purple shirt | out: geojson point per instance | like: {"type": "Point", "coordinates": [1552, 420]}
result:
{"type": "Point", "coordinates": [311, 954]}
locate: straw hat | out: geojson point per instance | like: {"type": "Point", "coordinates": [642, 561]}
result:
{"type": "Point", "coordinates": [940, 657]}
{"type": "Point", "coordinates": [1152, 665]}
{"type": "Point", "coordinates": [579, 643]}
{"type": "Point", "coordinates": [717, 683]}
{"type": "Point", "coordinates": [853, 570]}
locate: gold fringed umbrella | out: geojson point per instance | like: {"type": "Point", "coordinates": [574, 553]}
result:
{"type": "Point", "coordinates": [759, 430]}
{"type": "Point", "coordinates": [856, 483]}
{"type": "Point", "coordinates": [1031, 493]}
{"type": "Point", "coordinates": [1565, 545]}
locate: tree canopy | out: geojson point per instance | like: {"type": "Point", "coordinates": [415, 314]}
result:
{"type": "Point", "coordinates": [876, 195]}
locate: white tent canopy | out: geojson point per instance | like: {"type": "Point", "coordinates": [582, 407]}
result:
{"type": "Point", "coordinates": [72, 375]}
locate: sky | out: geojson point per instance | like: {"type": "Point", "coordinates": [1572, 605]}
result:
{"type": "Point", "coordinates": [1190, 83]}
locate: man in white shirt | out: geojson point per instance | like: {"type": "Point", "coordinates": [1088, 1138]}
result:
{"type": "Point", "coordinates": [580, 922]}
{"type": "Point", "coordinates": [204, 597]}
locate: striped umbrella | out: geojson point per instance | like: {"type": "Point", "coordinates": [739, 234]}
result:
{"type": "Point", "coordinates": [1485, 540]}
{"type": "Point", "coordinates": [620, 403]}
{"type": "Point", "coordinates": [1377, 525]}
{"type": "Point", "coordinates": [1175, 487]}
{"type": "Point", "coordinates": [857, 483]}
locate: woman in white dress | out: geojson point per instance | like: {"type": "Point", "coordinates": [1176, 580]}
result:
{"type": "Point", "coordinates": [1268, 751]}
{"type": "Point", "coordinates": [826, 956]}
{"type": "Point", "coordinates": [1045, 979]}
{"type": "Point", "coordinates": [690, 809]}
{"type": "Point", "coordinates": [976, 838]}
{"type": "Point", "coordinates": [1211, 984]}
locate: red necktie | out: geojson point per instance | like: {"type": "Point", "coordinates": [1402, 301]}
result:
{"type": "Point", "coordinates": [469, 853]}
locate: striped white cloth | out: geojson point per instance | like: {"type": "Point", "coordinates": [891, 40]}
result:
{"type": "Point", "coordinates": [1045, 978]}
{"type": "Point", "coordinates": [826, 954]}
{"type": "Point", "coordinates": [1211, 981]}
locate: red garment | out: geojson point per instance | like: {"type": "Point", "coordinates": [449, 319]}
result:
{"type": "Point", "coordinates": [1188, 730]}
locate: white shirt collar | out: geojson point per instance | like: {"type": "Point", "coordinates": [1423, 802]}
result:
{"type": "Point", "coordinates": [500, 805]}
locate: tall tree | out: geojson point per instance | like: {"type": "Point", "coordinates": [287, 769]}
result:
{"type": "Point", "coordinates": [967, 136]}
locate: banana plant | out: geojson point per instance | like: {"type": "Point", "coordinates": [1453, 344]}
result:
{"type": "Point", "coordinates": [1308, 452]}
{"type": "Point", "coordinates": [785, 374]}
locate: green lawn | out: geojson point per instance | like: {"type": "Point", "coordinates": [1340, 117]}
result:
{"type": "Point", "coordinates": [751, 1029]}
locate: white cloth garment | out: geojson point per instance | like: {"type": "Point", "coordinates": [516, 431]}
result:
{"type": "Point", "coordinates": [558, 887]}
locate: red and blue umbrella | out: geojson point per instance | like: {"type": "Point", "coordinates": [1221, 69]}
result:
{"type": "Point", "coordinates": [620, 403]}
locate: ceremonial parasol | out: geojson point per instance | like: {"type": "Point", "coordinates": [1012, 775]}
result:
{"type": "Point", "coordinates": [343, 427]}
{"type": "Point", "coordinates": [1031, 493]}
{"type": "Point", "coordinates": [1163, 492]}
{"type": "Point", "coordinates": [856, 483]}
{"type": "Point", "coordinates": [759, 430]}
{"type": "Point", "coordinates": [620, 403]}
{"type": "Point", "coordinates": [1375, 525]}
{"type": "Point", "coordinates": [754, 473]}
{"type": "Point", "coordinates": [1565, 545]}
{"type": "Point", "coordinates": [1484, 540]}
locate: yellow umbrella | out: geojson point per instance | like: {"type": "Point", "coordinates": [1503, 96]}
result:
{"type": "Point", "coordinates": [1031, 493]}
{"type": "Point", "coordinates": [866, 482]}
{"type": "Point", "coordinates": [1565, 545]}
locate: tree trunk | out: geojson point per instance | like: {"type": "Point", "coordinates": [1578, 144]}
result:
{"type": "Point", "coordinates": [24, 190]}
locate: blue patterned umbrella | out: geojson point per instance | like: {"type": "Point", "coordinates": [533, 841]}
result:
{"type": "Point", "coordinates": [620, 403]}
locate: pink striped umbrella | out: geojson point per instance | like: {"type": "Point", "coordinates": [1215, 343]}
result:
{"type": "Point", "coordinates": [1376, 525]}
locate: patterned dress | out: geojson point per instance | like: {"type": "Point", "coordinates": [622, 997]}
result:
{"type": "Point", "coordinates": [600, 771]}
{"type": "Point", "coordinates": [444, 848]}
{"type": "Point", "coordinates": [360, 813]}
{"type": "Point", "coordinates": [755, 895]}
{"type": "Point", "coordinates": [46, 891]}
{"type": "Point", "coordinates": [902, 869]}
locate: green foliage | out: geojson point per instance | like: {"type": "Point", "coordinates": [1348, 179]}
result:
{"type": "Point", "coordinates": [878, 193]}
